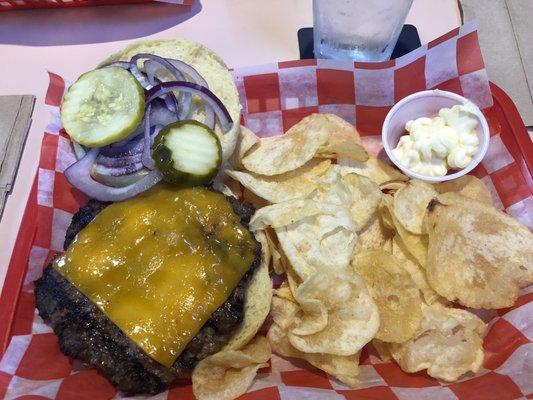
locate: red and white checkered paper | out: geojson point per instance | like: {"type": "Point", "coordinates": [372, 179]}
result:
{"type": "Point", "coordinates": [274, 97]}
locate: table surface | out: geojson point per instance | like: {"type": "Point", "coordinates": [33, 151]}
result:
{"type": "Point", "coordinates": [71, 41]}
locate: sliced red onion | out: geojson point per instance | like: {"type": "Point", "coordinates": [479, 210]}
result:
{"type": "Point", "coordinates": [147, 159]}
{"type": "Point", "coordinates": [139, 75]}
{"type": "Point", "coordinates": [185, 108]}
{"type": "Point", "coordinates": [160, 114]}
{"type": "Point", "coordinates": [134, 146]}
{"type": "Point", "coordinates": [79, 150]}
{"type": "Point", "coordinates": [209, 116]}
{"type": "Point", "coordinates": [121, 180]}
{"type": "Point", "coordinates": [152, 68]}
{"type": "Point", "coordinates": [172, 103]}
{"type": "Point", "coordinates": [119, 160]}
{"type": "Point", "coordinates": [178, 69]}
{"type": "Point", "coordinates": [119, 170]}
{"type": "Point", "coordinates": [147, 141]}
{"type": "Point", "coordinates": [190, 71]}
{"type": "Point", "coordinates": [139, 130]}
{"type": "Point", "coordinates": [79, 175]}
{"type": "Point", "coordinates": [176, 73]}
{"type": "Point", "coordinates": [155, 130]}
{"type": "Point", "coordinates": [149, 81]}
{"type": "Point", "coordinates": [154, 64]}
{"type": "Point", "coordinates": [199, 79]}
{"type": "Point", "coordinates": [210, 99]}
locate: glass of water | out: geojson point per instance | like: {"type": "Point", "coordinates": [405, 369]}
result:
{"type": "Point", "coordinates": [360, 30]}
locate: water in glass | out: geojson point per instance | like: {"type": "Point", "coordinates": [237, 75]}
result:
{"type": "Point", "coordinates": [361, 30]}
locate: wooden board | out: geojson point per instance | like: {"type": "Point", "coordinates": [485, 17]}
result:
{"type": "Point", "coordinates": [15, 121]}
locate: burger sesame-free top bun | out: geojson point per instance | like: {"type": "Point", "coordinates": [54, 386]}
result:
{"type": "Point", "coordinates": [209, 65]}
{"type": "Point", "coordinates": [257, 301]}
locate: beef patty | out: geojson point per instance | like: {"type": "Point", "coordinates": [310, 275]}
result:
{"type": "Point", "coordinates": [85, 332]}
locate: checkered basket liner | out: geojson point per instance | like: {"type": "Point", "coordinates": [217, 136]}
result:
{"type": "Point", "coordinates": [274, 97]}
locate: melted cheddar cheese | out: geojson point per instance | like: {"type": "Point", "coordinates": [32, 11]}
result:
{"type": "Point", "coordinates": [160, 264]}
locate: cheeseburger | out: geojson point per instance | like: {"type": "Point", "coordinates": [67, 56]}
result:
{"type": "Point", "coordinates": [160, 270]}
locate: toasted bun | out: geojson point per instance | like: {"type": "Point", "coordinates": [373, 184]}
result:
{"type": "Point", "coordinates": [209, 65]}
{"type": "Point", "coordinates": [258, 299]}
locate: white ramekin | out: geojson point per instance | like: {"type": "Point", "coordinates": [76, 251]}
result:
{"type": "Point", "coordinates": [427, 104]}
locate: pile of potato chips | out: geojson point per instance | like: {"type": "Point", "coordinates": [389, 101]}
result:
{"type": "Point", "coordinates": [368, 255]}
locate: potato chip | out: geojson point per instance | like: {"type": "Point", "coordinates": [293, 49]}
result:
{"type": "Point", "coordinates": [246, 139]}
{"type": "Point", "coordinates": [296, 184]}
{"type": "Point", "coordinates": [245, 142]}
{"type": "Point", "coordinates": [290, 212]}
{"type": "Point", "coordinates": [229, 374]}
{"type": "Point", "coordinates": [365, 200]}
{"type": "Point", "coordinates": [410, 203]}
{"type": "Point", "coordinates": [279, 260]}
{"type": "Point", "coordinates": [477, 254]}
{"type": "Point", "coordinates": [416, 245]}
{"type": "Point", "coordinates": [293, 280]}
{"type": "Point", "coordinates": [468, 186]}
{"type": "Point", "coordinates": [385, 213]}
{"type": "Point", "coordinates": [393, 291]}
{"type": "Point", "coordinates": [343, 368]}
{"type": "Point", "coordinates": [352, 316]}
{"type": "Point", "coordinates": [284, 311]}
{"type": "Point", "coordinates": [448, 344]}
{"type": "Point", "coordinates": [343, 141]}
{"type": "Point", "coordinates": [342, 128]}
{"type": "Point", "coordinates": [279, 154]}
{"type": "Point", "coordinates": [351, 190]}
{"type": "Point", "coordinates": [284, 307]}
{"type": "Point", "coordinates": [332, 188]}
{"type": "Point", "coordinates": [284, 291]}
{"type": "Point", "coordinates": [382, 349]}
{"type": "Point", "coordinates": [318, 241]}
{"type": "Point", "coordinates": [373, 236]}
{"type": "Point", "coordinates": [393, 186]}
{"type": "Point", "coordinates": [312, 319]}
{"type": "Point", "coordinates": [251, 197]}
{"type": "Point", "coordinates": [373, 168]}
{"type": "Point", "coordinates": [313, 316]}
{"type": "Point", "coordinates": [225, 184]}
{"type": "Point", "coordinates": [387, 246]}
{"type": "Point", "coordinates": [418, 275]}
{"type": "Point", "coordinates": [228, 187]}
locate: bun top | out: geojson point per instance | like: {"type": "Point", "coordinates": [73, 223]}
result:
{"type": "Point", "coordinates": [209, 65]}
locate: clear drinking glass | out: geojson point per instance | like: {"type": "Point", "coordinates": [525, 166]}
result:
{"type": "Point", "coordinates": [361, 30]}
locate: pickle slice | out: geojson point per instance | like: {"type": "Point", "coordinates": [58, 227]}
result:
{"type": "Point", "coordinates": [102, 106]}
{"type": "Point", "coordinates": [187, 153]}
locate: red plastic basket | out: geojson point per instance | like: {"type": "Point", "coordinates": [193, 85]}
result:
{"type": "Point", "coordinates": [7, 5]}
{"type": "Point", "coordinates": [274, 97]}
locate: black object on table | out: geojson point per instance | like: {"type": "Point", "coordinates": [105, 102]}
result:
{"type": "Point", "coordinates": [407, 41]}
